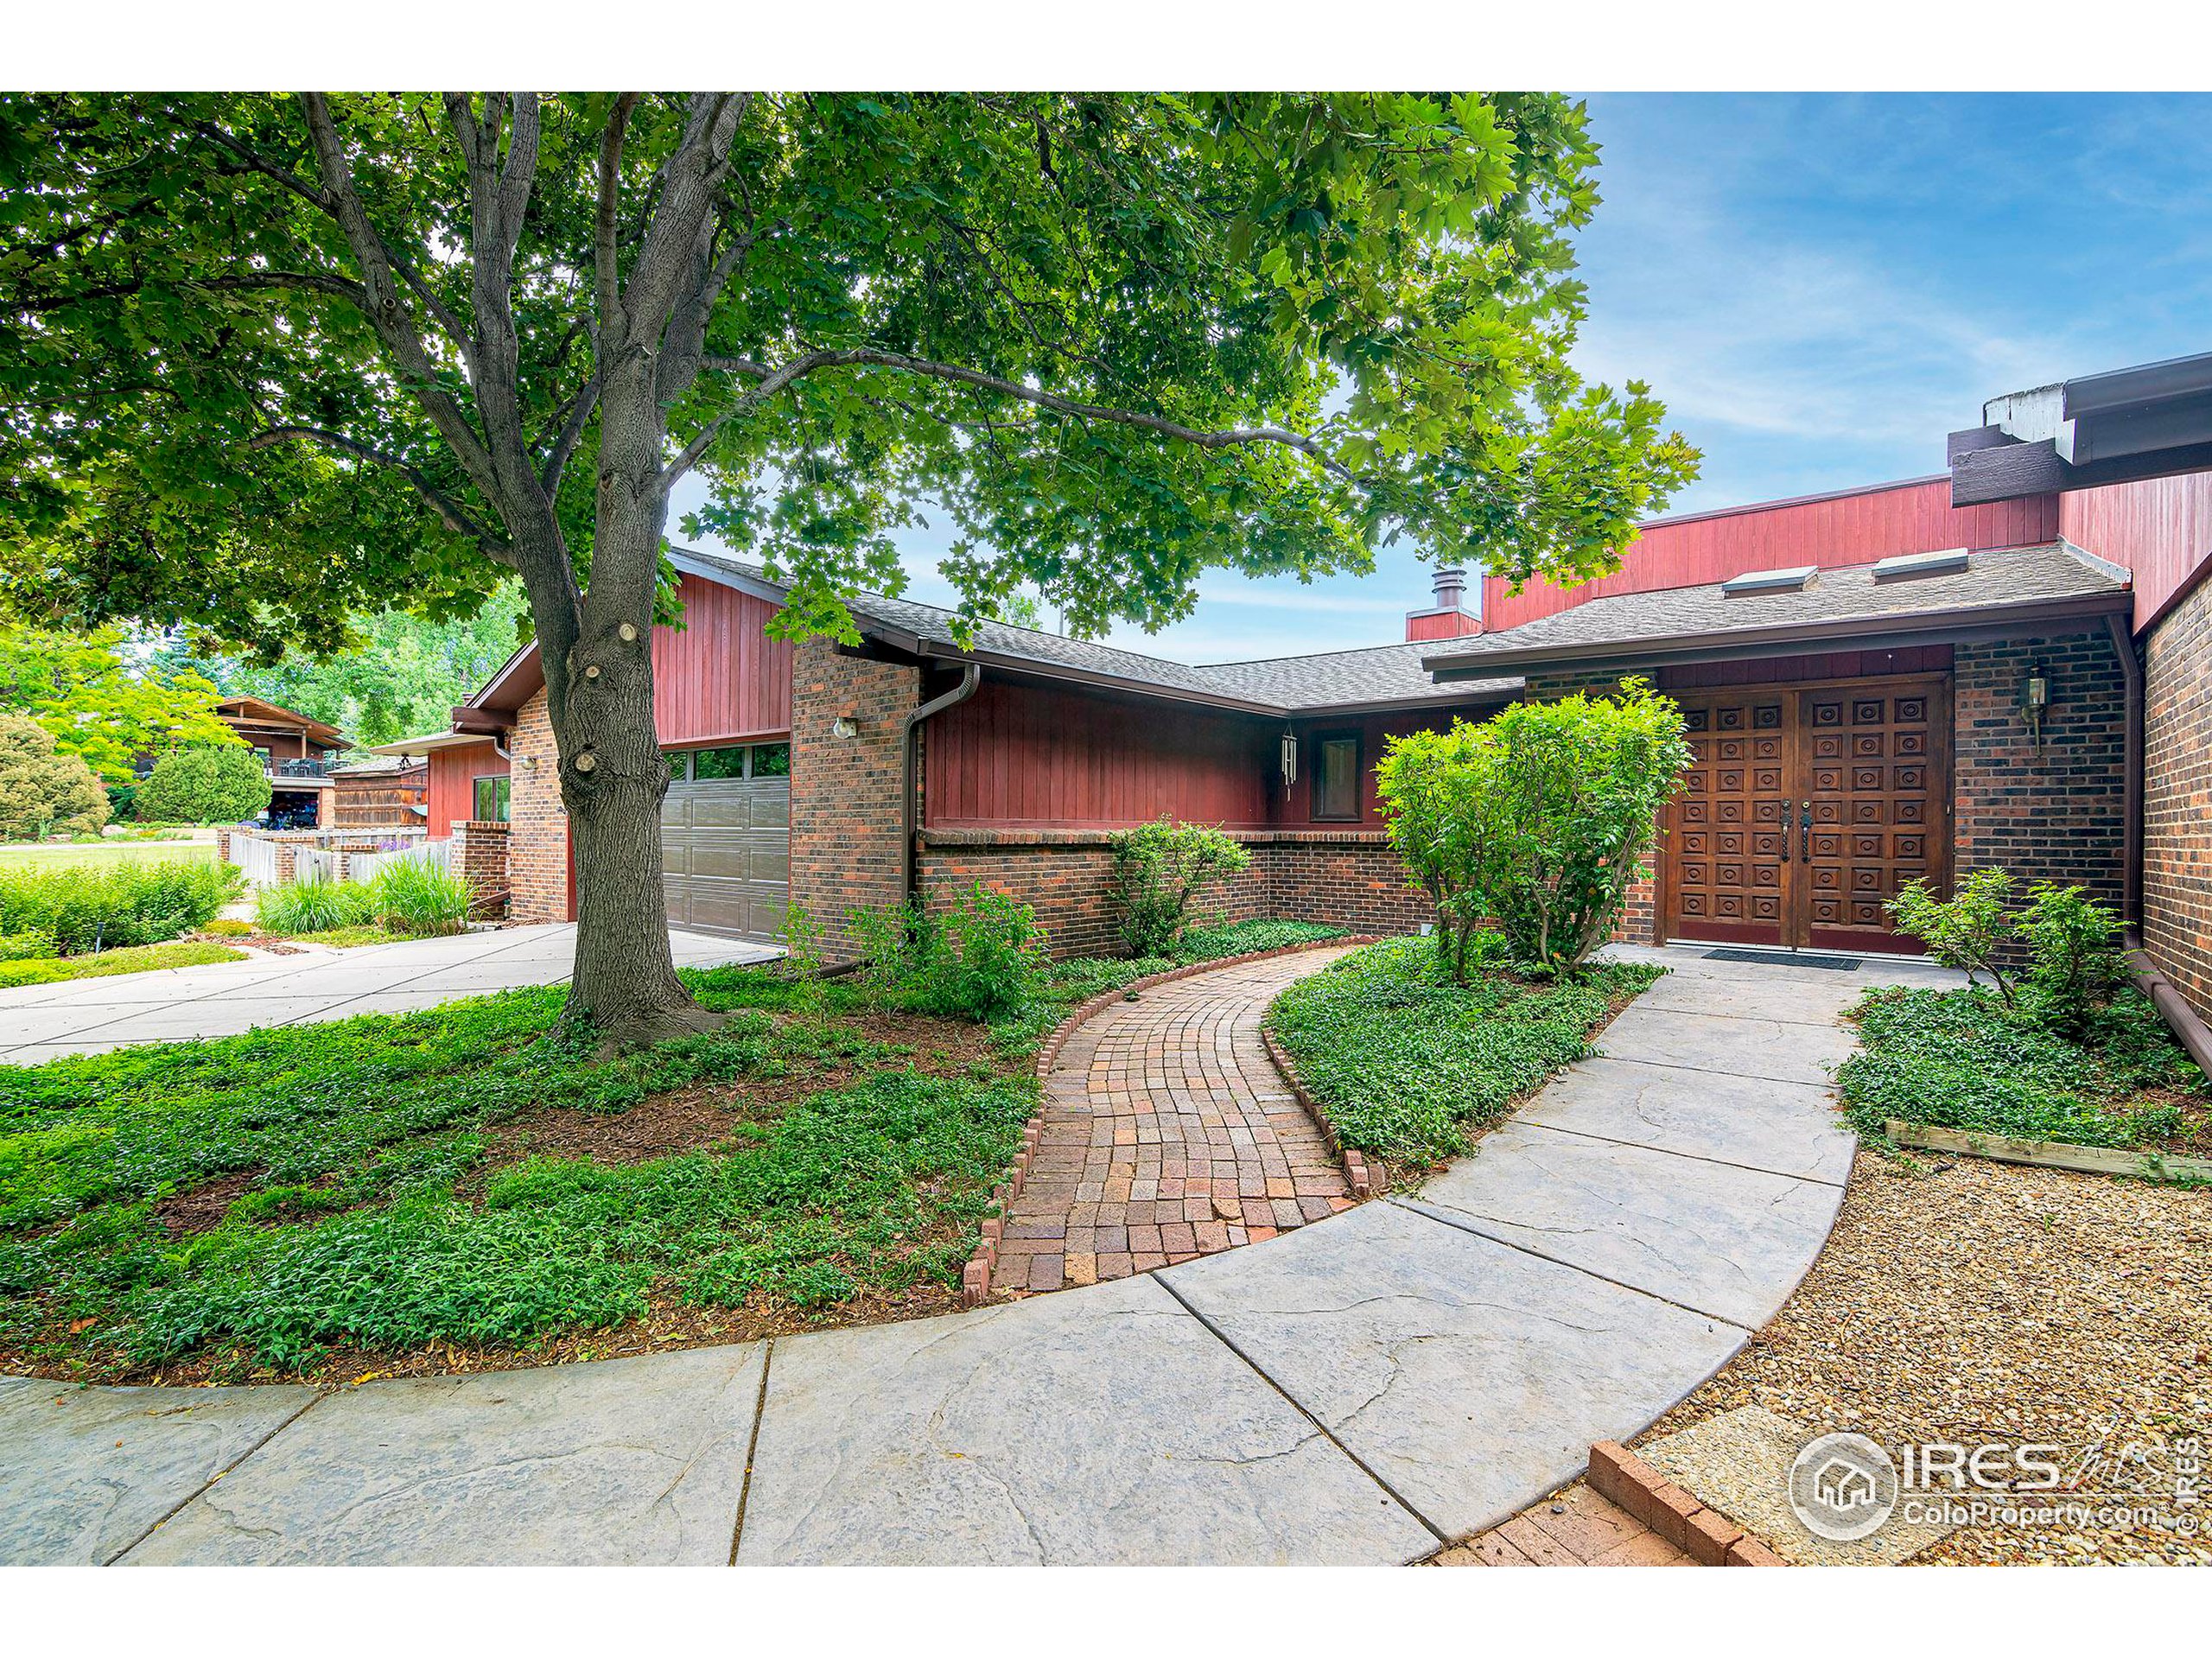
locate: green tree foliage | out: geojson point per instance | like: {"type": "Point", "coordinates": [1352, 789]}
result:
{"type": "Point", "coordinates": [1159, 870]}
{"type": "Point", "coordinates": [222, 785]}
{"type": "Point", "coordinates": [41, 791]}
{"type": "Point", "coordinates": [399, 676]}
{"type": "Point", "coordinates": [99, 702]}
{"type": "Point", "coordinates": [1537, 820]}
{"type": "Point", "coordinates": [270, 364]}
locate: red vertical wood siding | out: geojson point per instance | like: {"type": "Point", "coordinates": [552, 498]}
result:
{"type": "Point", "coordinates": [1822, 665]}
{"type": "Point", "coordinates": [720, 675]}
{"type": "Point", "coordinates": [1046, 757]}
{"type": "Point", "coordinates": [1442, 624]}
{"type": "Point", "coordinates": [2160, 529]}
{"type": "Point", "coordinates": [1856, 528]}
{"type": "Point", "coordinates": [1294, 806]}
{"type": "Point", "coordinates": [454, 773]}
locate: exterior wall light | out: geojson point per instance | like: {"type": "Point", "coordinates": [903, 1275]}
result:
{"type": "Point", "coordinates": [844, 726]}
{"type": "Point", "coordinates": [2035, 698]}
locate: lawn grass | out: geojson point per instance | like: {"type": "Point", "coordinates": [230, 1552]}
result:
{"type": "Point", "coordinates": [134, 959]}
{"type": "Point", "coordinates": [60, 855]}
{"type": "Point", "coordinates": [1411, 1066]}
{"type": "Point", "coordinates": [1959, 1059]}
{"type": "Point", "coordinates": [350, 1194]}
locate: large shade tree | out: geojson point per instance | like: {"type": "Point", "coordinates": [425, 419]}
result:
{"type": "Point", "coordinates": [269, 362]}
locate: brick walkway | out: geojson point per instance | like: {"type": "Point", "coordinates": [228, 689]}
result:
{"type": "Point", "coordinates": [1576, 1528]}
{"type": "Point", "coordinates": [1168, 1135]}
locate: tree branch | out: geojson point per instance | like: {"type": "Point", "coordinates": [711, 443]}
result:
{"type": "Point", "coordinates": [607, 227]}
{"type": "Point", "coordinates": [456, 518]}
{"type": "Point", "coordinates": [772, 381]}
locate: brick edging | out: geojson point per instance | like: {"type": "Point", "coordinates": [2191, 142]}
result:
{"type": "Point", "coordinates": [976, 1277]}
{"type": "Point", "coordinates": [1366, 1174]}
{"type": "Point", "coordinates": [1707, 1537]}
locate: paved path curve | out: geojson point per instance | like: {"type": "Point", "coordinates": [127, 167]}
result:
{"type": "Point", "coordinates": [1357, 1390]}
{"type": "Point", "coordinates": [1169, 1135]}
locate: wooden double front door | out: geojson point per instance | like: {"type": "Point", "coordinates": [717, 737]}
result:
{"type": "Point", "coordinates": [1805, 808]}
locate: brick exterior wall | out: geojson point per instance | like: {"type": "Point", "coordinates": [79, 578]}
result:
{"type": "Point", "coordinates": [480, 857]}
{"type": "Point", "coordinates": [2178, 797]}
{"type": "Point", "coordinates": [2057, 814]}
{"type": "Point", "coordinates": [1349, 878]}
{"type": "Point", "coordinates": [538, 828]}
{"type": "Point", "coordinates": [845, 807]}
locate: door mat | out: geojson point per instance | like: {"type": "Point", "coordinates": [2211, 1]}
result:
{"type": "Point", "coordinates": [1841, 964]}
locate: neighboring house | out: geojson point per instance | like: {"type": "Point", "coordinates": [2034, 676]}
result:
{"type": "Point", "coordinates": [296, 753]}
{"type": "Point", "coordinates": [384, 793]}
{"type": "Point", "coordinates": [1881, 684]}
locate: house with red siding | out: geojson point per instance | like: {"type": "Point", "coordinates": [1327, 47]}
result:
{"type": "Point", "coordinates": [1882, 684]}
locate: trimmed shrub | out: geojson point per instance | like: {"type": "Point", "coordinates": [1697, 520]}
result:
{"type": "Point", "coordinates": [29, 945]}
{"type": "Point", "coordinates": [1537, 820]}
{"type": "Point", "coordinates": [41, 792]}
{"type": "Point", "coordinates": [213, 784]}
{"type": "Point", "coordinates": [2073, 968]}
{"type": "Point", "coordinates": [1160, 869]}
{"type": "Point", "coordinates": [85, 909]}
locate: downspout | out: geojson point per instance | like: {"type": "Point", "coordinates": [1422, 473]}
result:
{"type": "Point", "coordinates": [2179, 1016]}
{"type": "Point", "coordinates": [970, 677]}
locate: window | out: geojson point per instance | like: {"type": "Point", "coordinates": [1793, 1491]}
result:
{"type": "Point", "coordinates": [708, 764]}
{"type": "Point", "coordinates": [491, 804]}
{"type": "Point", "coordinates": [771, 761]}
{"type": "Point", "coordinates": [1336, 778]}
{"type": "Point", "coordinates": [679, 765]}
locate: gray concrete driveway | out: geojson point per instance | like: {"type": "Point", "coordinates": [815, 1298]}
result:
{"type": "Point", "coordinates": [90, 1016]}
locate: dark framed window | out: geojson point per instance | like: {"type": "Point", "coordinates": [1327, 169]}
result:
{"type": "Point", "coordinates": [712, 765]}
{"type": "Point", "coordinates": [771, 761]}
{"type": "Point", "coordinates": [679, 765]}
{"type": "Point", "coordinates": [1336, 778]}
{"type": "Point", "coordinates": [492, 800]}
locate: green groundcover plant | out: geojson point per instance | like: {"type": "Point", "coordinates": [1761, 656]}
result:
{"type": "Point", "coordinates": [1411, 1061]}
{"type": "Point", "coordinates": [372, 1204]}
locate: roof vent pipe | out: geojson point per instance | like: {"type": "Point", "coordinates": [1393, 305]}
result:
{"type": "Point", "coordinates": [1451, 588]}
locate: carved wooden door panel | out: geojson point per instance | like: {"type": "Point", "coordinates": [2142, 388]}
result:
{"type": "Point", "coordinates": [1728, 859]}
{"type": "Point", "coordinates": [1878, 792]}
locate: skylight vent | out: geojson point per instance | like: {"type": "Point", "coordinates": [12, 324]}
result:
{"type": "Point", "coordinates": [1795, 580]}
{"type": "Point", "coordinates": [1904, 566]}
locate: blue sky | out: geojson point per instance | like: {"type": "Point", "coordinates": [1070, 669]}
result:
{"type": "Point", "coordinates": [1821, 288]}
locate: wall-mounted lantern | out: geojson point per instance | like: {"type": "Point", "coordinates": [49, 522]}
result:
{"type": "Point", "coordinates": [2035, 698]}
{"type": "Point", "coordinates": [844, 726]}
{"type": "Point", "coordinates": [1289, 757]}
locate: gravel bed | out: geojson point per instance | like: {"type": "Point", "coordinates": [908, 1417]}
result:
{"type": "Point", "coordinates": [1972, 1300]}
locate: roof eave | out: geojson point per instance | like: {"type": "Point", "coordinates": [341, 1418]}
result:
{"type": "Point", "coordinates": [1872, 632]}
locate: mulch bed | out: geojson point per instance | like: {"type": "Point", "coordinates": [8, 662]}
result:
{"type": "Point", "coordinates": [1972, 1300]}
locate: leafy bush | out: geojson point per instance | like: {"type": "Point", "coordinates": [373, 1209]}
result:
{"type": "Point", "coordinates": [1967, 931]}
{"type": "Point", "coordinates": [314, 906]}
{"type": "Point", "coordinates": [27, 946]}
{"type": "Point", "coordinates": [1410, 1058]}
{"type": "Point", "coordinates": [41, 792]}
{"type": "Point", "coordinates": [1537, 820]}
{"type": "Point", "coordinates": [2073, 967]}
{"type": "Point", "coordinates": [209, 784]}
{"type": "Point", "coordinates": [982, 958]}
{"type": "Point", "coordinates": [132, 959]}
{"type": "Point", "coordinates": [419, 899]}
{"type": "Point", "coordinates": [86, 909]}
{"type": "Point", "coordinates": [1961, 1060]}
{"type": "Point", "coordinates": [1160, 869]}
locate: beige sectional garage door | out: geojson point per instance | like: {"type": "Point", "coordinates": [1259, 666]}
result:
{"type": "Point", "coordinates": [725, 854]}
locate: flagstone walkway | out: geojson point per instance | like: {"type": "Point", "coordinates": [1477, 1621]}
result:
{"type": "Point", "coordinates": [1361, 1388]}
{"type": "Point", "coordinates": [1169, 1135]}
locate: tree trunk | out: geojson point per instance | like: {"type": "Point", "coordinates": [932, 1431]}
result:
{"type": "Point", "coordinates": [599, 689]}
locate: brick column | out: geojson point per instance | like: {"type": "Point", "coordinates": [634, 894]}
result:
{"type": "Point", "coordinates": [537, 831]}
{"type": "Point", "coordinates": [845, 807]}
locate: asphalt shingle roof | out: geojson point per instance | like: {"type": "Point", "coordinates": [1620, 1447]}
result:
{"type": "Point", "coordinates": [1332, 679]}
{"type": "Point", "coordinates": [1993, 580]}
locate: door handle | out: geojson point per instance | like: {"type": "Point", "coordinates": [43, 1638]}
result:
{"type": "Point", "coordinates": [1805, 833]}
{"type": "Point", "coordinates": [1785, 832]}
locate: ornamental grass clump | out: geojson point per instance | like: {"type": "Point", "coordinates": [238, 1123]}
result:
{"type": "Point", "coordinates": [1535, 822]}
{"type": "Point", "coordinates": [419, 899]}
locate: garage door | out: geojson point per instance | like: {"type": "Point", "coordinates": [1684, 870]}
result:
{"type": "Point", "coordinates": [726, 839]}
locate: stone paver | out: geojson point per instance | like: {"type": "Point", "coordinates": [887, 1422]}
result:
{"type": "Point", "coordinates": [624, 1463]}
{"type": "Point", "coordinates": [39, 1023]}
{"type": "Point", "coordinates": [1105, 1425]}
{"type": "Point", "coordinates": [1169, 1135]}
